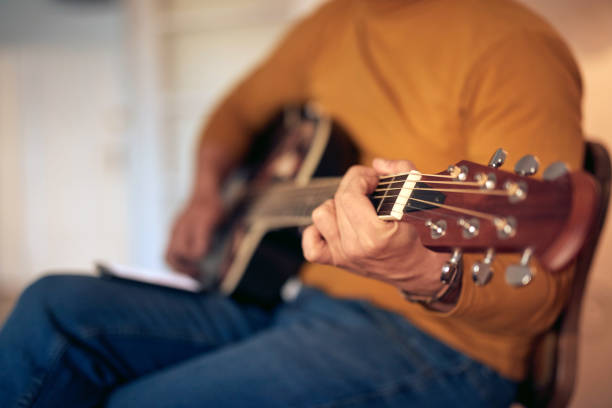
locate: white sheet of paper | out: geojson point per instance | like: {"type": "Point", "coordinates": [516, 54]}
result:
{"type": "Point", "coordinates": [155, 277]}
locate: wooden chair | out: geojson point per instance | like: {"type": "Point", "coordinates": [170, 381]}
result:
{"type": "Point", "coordinates": [554, 360]}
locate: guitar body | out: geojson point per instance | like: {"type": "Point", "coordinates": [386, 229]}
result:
{"type": "Point", "coordinates": [254, 254]}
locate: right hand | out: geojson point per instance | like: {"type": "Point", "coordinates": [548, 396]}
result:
{"type": "Point", "coordinates": [192, 233]}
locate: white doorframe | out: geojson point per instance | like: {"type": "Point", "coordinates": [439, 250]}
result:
{"type": "Point", "coordinates": [148, 223]}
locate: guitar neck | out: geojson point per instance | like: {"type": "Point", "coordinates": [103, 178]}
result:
{"type": "Point", "coordinates": [288, 201]}
{"type": "Point", "coordinates": [468, 206]}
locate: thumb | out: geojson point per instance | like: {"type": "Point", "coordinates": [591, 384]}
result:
{"type": "Point", "coordinates": [384, 166]}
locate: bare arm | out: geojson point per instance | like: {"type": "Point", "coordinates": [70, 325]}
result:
{"type": "Point", "coordinates": [279, 80]}
{"type": "Point", "coordinates": [193, 227]}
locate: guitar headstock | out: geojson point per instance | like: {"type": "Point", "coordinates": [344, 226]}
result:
{"type": "Point", "coordinates": [476, 208]}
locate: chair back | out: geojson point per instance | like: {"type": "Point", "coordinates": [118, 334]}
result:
{"type": "Point", "coordinates": [550, 382]}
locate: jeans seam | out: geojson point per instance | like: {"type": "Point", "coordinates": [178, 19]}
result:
{"type": "Point", "coordinates": [30, 397]}
{"type": "Point", "coordinates": [90, 332]}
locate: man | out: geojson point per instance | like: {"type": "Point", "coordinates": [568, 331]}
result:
{"type": "Point", "coordinates": [433, 81]}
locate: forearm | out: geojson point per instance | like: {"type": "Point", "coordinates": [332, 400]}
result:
{"type": "Point", "coordinates": [213, 163]}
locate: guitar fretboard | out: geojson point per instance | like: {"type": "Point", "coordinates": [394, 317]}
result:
{"type": "Point", "coordinates": [391, 198]}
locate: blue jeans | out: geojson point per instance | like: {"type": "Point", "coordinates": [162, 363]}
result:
{"type": "Point", "coordinates": [75, 341]}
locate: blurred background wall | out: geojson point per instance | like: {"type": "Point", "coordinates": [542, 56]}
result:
{"type": "Point", "coordinates": [100, 103]}
{"type": "Point", "coordinates": [62, 137]}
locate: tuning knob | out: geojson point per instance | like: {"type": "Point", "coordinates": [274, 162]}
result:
{"type": "Point", "coordinates": [527, 166]}
{"type": "Point", "coordinates": [437, 229]}
{"type": "Point", "coordinates": [482, 270]}
{"type": "Point", "coordinates": [469, 227]}
{"type": "Point", "coordinates": [554, 171]}
{"type": "Point", "coordinates": [520, 274]}
{"type": "Point", "coordinates": [498, 158]}
{"type": "Point", "coordinates": [449, 267]}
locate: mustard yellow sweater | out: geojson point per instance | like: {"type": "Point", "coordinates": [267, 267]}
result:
{"type": "Point", "coordinates": [432, 81]}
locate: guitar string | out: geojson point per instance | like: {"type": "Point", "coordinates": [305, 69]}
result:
{"type": "Point", "coordinates": [429, 211]}
{"type": "Point", "coordinates": [334, 182]}
{"type": "Point", "coordinates": [310, 190]}
{"type": "Point", "coordinates": [300, 194]}
{"type": "Point", "coordinates": [467, 211]}
{"type": "Point", "coordinates": [474, 213]}
{"type": "Point", "coordinates": [449, 190]}
{"type": "Point", "coordinates": [424, 218]}
{"type": "Point", "coordinates": [384, 196]}
{"type": "Point", "coordinates": [420, 174]}
{"type": "Point", "coordinates": [464, 183]}
{"type": "Point", "coordinates": [307, 209]}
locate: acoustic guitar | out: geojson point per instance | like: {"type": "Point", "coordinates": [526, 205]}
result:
{"type": "Point", "coordinates": [296, 162]}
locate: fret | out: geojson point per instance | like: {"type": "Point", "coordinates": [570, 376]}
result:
{"type": "Point", "coordinates": [387, 202]}
{"type": "Point", "coordinates": [401, 187]}
{"type": "Point", "coordinates": [289, 200]}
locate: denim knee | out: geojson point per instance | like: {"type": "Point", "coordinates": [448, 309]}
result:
{"type": "Point", "coordinates": [56, 299]}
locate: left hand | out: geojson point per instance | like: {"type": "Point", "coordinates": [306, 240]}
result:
{"type": "Point", "coordinates": [348, 233]}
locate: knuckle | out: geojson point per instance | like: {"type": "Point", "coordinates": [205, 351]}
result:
{"type": "Point", "coordinates": [323, 211]}
{"type": "Point", "coordinates": [310, 253]}
{"type": "Point", "coordinates": [371, 246]}
{"type": "Point", "coordinates": [329, 203]}
{"type": "Point", "coordinates": [318, 214]}
{"type": "Point", "coordinates": [340, 197]}
{"type": "Point", "coordinates": [354, 170]}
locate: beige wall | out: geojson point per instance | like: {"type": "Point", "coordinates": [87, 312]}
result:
{"type": "Point", "coordinates": [62, 179]}
{"type": "Point", "coordinates": [587, 26]}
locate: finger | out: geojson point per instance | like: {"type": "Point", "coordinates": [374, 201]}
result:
{"type": "Point", "coordinates": [175, 244]}
{"type": "Point", "coordinates": [353, 207]}
{"type": "Point", "coordinates": [324, 219]}
{"type": "Point", "coordinates": [180, 264]}
{"type": "Point", "coordinates": [198, 238]}
{"type": "Point", "coordinates": [360, 180]}
{"type": "Point", "coordinates": [187, 267]}
{"type": "Point", "coordinates": [315, 248]}
{"type": "Point", "coordinates": [177, 253]}
{"type": "Point", "coordinates": [384, 166]}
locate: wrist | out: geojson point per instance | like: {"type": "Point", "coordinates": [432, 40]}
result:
{"type": "Point", "coordinates": [443, 287]}
{"type": "Point", "coordinates": [204, 188]}
{"type": "Point", "coordinates": [424, 274]}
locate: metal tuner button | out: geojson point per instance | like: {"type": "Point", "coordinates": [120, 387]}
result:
{"type": "Point", "coordinates": [482, 271]}
{"type": "Point", "coordinates": [520, 274]}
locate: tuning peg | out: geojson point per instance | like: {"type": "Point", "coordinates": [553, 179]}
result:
{"type": "Point", "coordinates": [437, 229]}
{"type": "Point", "coordinates": [469, 227]}
{"type": "Point", "coordinates": [450, 266]}
{"type": "Point", "coordinates": [498, 158]}
{"type": "Point", "coordinates": [520, 274]}
{"type": "Point", "coordinates": [527, 166]}
{"type": "Point", "coordinates": [554, 171]}
{"type": "Point", "coordinates": [482, 270]}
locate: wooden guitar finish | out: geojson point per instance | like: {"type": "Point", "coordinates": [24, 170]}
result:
{"type": "Point", "coordinates": [571, 199]}
{"type": "Point", "coordinates": [255, 252]}
{"type": "Point", "coordinates": [469, 206]}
